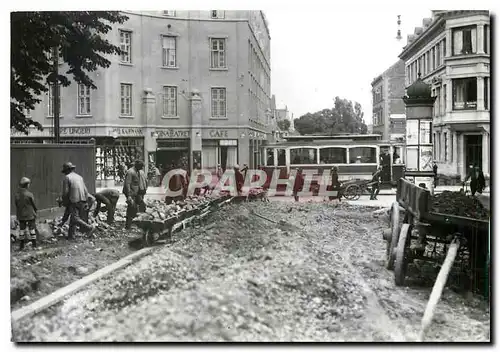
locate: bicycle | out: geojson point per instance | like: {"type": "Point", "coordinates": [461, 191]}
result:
{"type": "Point", "coordinates": [355, 191]}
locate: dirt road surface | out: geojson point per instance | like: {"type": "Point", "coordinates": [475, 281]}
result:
{"type": "Point", "coordinates": [242, 278]}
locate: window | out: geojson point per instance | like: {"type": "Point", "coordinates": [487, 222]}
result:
{"type": "Point", "coordinates": [169, 101]}
{"type": "Point", "coordinates": [444, 52]}
{"type": "Point", "coordinates": [83, 100]}
{"type": "Point", "coordinates": [333, 155]}
{"type": "Point", "coordinates": [362, 155]}
{"type": "Point", "coordinates": [50, 99]}
{"type": "Point", "coordinates": [169, 13]}
{"type": "Point", "coordinates": [303, 156]}
{"type": "Point", "coordinates": [429, 61]}
{"type": "Point", "coordinates": [126, 99]}
{"type": "Point", "coordinates": [445, 98]}
{"type": "Point", "coordinates": [486, 39]}
{"type": "Point", "coordinates": [438, 102]}
{"type": "Point", "coordinates": [126, 46]}
{"type": "Point", "coordinates": [433, 59]}
{"type": "Point", "coordinates": [445, 136]}
{"type": "Point", "coordinates": [465, 94]}
{"type": "Point", "coordinates": [169, 51]}
{"type": "Point", "coordinates": [218, 102]}
{"type": "Point", "coordinates": [217, 14]}
{"type": "Point", "coordinates": [438, 55]}
{"type": "Point", "coordinates": [218, 53]}
{"type": "Point", "coordinates": [464, 41]}
{"type": "Point", "coordinates": [486, 92]}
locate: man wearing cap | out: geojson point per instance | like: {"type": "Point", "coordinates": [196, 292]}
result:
{"type": "Point", "coordinates": [134, 189]}
{"type": "Point", "coordinates": [75, 196]}
{"type": "Point", "coordinates": [26, 213]}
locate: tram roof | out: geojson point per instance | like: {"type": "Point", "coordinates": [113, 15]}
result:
{"type": "Point", "coordinates": [328, 142]}
{"type": "Point", "coordinates": [335, 137]}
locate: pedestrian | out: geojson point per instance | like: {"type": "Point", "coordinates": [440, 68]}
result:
{"type": "Point", "coordinates": [158, 175]}
{"type": "Point", "coordinates": [477, 180]}
{"type": "Point", "coordinates": [240, 180]}
{"type": "Point", "coordinates": [435, 170]}
{"type": "Point", "coordinates": [376, 183]}
{"type": "Point", "coordinates": [26, 213]}
{"type": "Point", "coordinates": [134, 189]}
{"type": "Point", "coordinates": [75, 196]}
{"type": "Point", "coordinates": [298, 184]}
{"type": "Point", "coordinates": [109, 197]}
{"type": "Point", "coordinates": [335, 184]}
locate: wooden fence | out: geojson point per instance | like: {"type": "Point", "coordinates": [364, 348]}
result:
{"type": "Point", "coordinates": [42, 163]}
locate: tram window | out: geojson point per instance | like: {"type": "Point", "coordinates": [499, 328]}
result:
{"type": "Point", "coordinates": [333, 155]}
{"type": "Point", "coordinates": [362, 155]}
{"type": "Point", "coordinates": [303, 156]}
{"type": "Point", "coordinates": [397, 156]}
{"type": "Point", "coordinates": [281, 157]}
{"type": "Point", "coordinates": [270, 157]}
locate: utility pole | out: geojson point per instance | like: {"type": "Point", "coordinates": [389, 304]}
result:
{"type": "Point", "coordinates": [55, 94]}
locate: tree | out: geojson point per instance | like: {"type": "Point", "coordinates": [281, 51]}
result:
{"type": "Point", "coordinates": [344, 117]}
{"type": "Point", "coordinates": [79, 37]}
{"type": "Point", "coordinates": [284, 125]}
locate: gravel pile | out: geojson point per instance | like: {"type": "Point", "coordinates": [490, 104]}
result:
{"type": "Point", "coordinates": [242, 278]}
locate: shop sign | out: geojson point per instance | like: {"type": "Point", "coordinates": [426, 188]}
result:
{"type": "Point", "coordinates": [223, 134]}
{"type": "Point", "coordinates": [173, 133]}
{"type": "Point", "coordinates": [127, 131]}
{"type": "Point", "coordinates": [74, 131]}
{"type": "Point", "coordinates": [257, 135]}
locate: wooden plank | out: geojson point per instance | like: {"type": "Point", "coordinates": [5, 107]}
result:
{"type": "Point", "coordinates": [72, 288]}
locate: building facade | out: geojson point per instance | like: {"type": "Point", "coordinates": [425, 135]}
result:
{"type": "Point", "coordinates": [451, 51]}
{"type": "Point", "coordinates": [388, 107]}
{"type": "Point", "coordinates": [192, 88]}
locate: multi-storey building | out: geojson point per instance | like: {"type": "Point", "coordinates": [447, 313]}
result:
{"type": "Point", "coordinates": [191, 86]}
{"type": "Point", "coordinates": [451, 51]}
{"type": "Point", "coordinates": [388, 106]}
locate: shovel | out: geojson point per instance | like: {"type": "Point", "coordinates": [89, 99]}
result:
{"type": "Point", "coordinates": [282, 224]}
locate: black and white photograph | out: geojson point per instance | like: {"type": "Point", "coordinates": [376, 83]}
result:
{"type": "Point", "coordinates": [292, 173]}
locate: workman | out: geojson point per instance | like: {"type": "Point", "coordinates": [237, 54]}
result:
{"type": "Point", "coordinates": [26, 212]}
{"type": "Point", "coordinates": [240, 180]}
{"type": "Point", "coordinates": [376, 183]}
{"type": "Point", "coordinates": [298, 184]}
{"type": "Point", "coordinates": [109, 197]}
{"type": "Point", "coordinates": [335, 184]}
{"type": "Point", "coordinates": [134, 189]}
{"type": "Point", "coordinates": [75, 196]}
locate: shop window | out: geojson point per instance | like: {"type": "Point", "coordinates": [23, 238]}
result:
{"type": "Point", "coordinates": [464, 41]}
{"type": "Point", "coordinates": [303, 156]}
{"type": "Point", "coordinates": [362, 155]}
{"type": "Point", "coordinates": [333, 155]}
{"type": "Point", "coordinates": [465, 94]}
{"type": "Point", "coordinates": [270, 157]}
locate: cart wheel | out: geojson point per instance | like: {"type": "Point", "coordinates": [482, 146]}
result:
{"type": "Point", "coordinates": [401, 262]}
{"type": "Point", "coordinates": [392, 243]}
{"type": "Point", "coordinates": [148, 238]}
{"type": "Point", "coordinates": [351, 192]}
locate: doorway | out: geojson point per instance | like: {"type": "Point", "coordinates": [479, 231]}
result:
{"type": "Point", "coordinates": [385, 162]}
{"type": "Point", "coordinates": [473, 151]}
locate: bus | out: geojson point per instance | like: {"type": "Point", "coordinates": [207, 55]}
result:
{"type": "Point", "coordinates": [355, 156]}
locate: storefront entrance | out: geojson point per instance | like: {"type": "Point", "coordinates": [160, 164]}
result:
{"type": "Point", "coordinates": [172, 154]}
{"type": "Point", "coordinates": [473, 150]}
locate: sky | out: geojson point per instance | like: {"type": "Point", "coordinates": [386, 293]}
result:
{"type": "Point", "coordinates": [319, 54]}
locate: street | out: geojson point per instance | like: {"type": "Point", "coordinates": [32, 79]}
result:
{"type": "Point", "coordinates": [241, 278]}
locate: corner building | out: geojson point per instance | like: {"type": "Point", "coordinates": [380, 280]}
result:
{"type": "Point", "coordinates": [451, 51]}
{"type": "Point", "coordinates": [193, 88]}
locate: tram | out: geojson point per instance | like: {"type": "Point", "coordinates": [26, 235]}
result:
{"type": "Point", "coordinates": [355, 156]}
